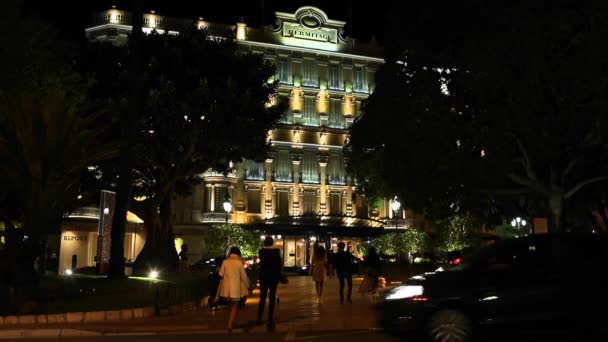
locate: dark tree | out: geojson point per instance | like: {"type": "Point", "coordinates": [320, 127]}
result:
{"type": "Point", "coordinates": [205, 104]}
{"type": "Point", "coordinates": [488, 110]}
{"type": "Point", "coordinates": [49, 134]}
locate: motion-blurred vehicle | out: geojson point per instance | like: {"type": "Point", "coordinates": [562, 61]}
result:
{"type": "Point", "coordinates": [548, 283]}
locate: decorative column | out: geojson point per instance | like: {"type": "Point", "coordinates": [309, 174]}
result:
{"type": "Point", "coordinates": [268, 189]}
{"type": "Point", "coordinates": [323, 188]}
{"type": "Point", "coordinates": [322, 107]}
{"type": "Point", "coordinates": [349, 191]}
{"type": "Point", "coordinates": [296, 158]}
{"type": "Point", "coordinates": [348, 109]}
{"type": "Point", "coordinates": [212, 204]}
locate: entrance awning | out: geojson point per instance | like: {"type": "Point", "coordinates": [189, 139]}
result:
{"type": "Point", "coordinates": [322, 225]}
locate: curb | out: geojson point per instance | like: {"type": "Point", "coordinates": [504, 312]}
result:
{"type": "Point", "coordinates": [45, 333]}
{"type": "Point", "coordinates": [97, 316]}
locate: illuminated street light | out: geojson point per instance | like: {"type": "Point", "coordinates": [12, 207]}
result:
{"type": "Point", "coordinates": [227, 206]}
{"type": "Point", "coordinates": [518, 223]}
{"type": "Point", "coordinates": [396, 205]}
{"type": "Point", "coordinates": [153, 274]}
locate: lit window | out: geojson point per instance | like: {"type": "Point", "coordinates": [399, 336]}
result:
{"type": "Point", "coordinates": [310, 73]}
{"type": "Point", "coordinates": [359, 80]}
{"type": "Point", "coordinates": [335, 77]}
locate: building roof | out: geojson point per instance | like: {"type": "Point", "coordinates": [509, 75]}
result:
{"type": "Point", "coordinates": [308, 28]}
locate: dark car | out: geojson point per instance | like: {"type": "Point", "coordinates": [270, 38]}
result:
{"type": "Point", "coordinates": [549, 283]}
{"type": "Point", "coordinates": [208, 264]}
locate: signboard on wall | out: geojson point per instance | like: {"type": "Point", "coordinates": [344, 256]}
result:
{"type": "Point", "coordinates": [317, 34]}
{"type": "Point", "coordinates": [106, 214]}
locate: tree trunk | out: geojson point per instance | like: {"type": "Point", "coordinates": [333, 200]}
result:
{"type": "Point", "coordinates": [159, 251]}
{"type": "Point", "coordinates": [603, 212]}
{"type": "Point", "coordinates": [556, 204]}
{"type": "Point", "coordinates": [123, 194]}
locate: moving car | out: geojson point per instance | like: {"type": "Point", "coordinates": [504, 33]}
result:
{"type": "Point", "coordinates": [549, 283]}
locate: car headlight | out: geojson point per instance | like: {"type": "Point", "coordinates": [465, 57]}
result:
{"type": "Point", "coordinates": [405, 291]}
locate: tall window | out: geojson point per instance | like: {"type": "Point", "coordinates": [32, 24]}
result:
{"type": "Point", "coordinates": [336, 119]}
{"type": "Point", "coordinates": [284, 71]}
{"type": "Point", "coordinates": [335, 77]}
{"type": "Point", "coordinates": [310, 73]}
{"type": "Point", "coordinates": [283, 171]}
{"type": "Point", "coordinates": [254, 170]}
{"type": "Point", "coordinates": [220, 196]}
{"type": "Point", "coordinates": [335, 170]}
{"type": "Point", "coordinates": [359, 80]}
{"type": "Point", "coordinates": [310, 168]}
{"type": "Point", "coordinates": [310, 116]}
{"type": "Point", "coordinates": [253, 202]}
{"type": "Point", "coordinates": [310, 201]}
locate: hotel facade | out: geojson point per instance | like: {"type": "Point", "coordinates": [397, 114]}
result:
{"type": "Point", "coordinates": [301, 193]}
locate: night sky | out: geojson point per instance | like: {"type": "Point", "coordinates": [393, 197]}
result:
{"type": "Point", "coordinates": [71, 17]}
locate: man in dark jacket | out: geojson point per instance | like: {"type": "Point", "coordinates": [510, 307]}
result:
{"type": "Point", "coordinates": [270, 274]}
{"type": "Point", "coordinates": [343, 262]}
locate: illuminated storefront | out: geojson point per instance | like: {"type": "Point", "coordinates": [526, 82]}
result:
{"type": "Point", "coordinates": [79, 239]}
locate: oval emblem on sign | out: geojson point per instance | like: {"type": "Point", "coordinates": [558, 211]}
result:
{"type": "Point", "coordinates": [310, 21]}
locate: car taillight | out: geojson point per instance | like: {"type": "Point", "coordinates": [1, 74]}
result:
{"type": "Point", "coordinates": [456, 261]}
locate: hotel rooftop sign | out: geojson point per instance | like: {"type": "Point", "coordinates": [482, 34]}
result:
{"type": "Point", "coordinates": [310, 27]}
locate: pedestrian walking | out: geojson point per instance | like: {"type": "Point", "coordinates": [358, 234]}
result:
{"type": "Point", "coordinates": [373, 269]}
{"type": "Point", "coordinates": [270, 275]}
{"type": "Point", "coordinates": [319, 271]}
{"type": "Point", "coordinates": [331, 264]}
{"type": "Point", "coordinates": [344, 269]}
{"type": "Point", "coordinates": [235, 284]}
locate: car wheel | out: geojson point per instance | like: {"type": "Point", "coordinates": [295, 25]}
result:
{"type": "Point", "coordinates": [449, 325]}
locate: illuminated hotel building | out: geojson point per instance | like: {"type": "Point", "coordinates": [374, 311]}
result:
{"type": "Point", "coordinates": [301, 192]}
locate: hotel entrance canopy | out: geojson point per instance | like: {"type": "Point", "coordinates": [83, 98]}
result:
{"type": "Point", "coordinates": [346, 226]}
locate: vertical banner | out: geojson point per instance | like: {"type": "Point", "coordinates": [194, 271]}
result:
{"type": "Point", "coordinates": [106, 214]}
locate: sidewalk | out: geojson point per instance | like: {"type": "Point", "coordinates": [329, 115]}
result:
{"type": "Point", "coordinates": [296, 311]}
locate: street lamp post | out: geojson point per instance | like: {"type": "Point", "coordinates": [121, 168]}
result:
{"type": "Point", "coordinates": [518, 223]}
{"type": "Point", "coordinates": [227, 207]}
{"type": "Point", "coordinates": [395, 206]}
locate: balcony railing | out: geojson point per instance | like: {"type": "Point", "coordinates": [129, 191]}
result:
{"type": "Point", "coordinates": [361, 88]}
{"type": "Point", "coordinates": [214, 217]}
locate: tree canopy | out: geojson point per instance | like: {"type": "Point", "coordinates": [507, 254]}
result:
{"type": "Point", "coordinates": [493, 111]}
{"type": "Point", "coordinates": [220, 237]}
{"type": "Point", "coordinates": [205, 105]}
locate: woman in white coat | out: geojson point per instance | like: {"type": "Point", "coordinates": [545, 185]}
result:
{"type": "Point", "coordinates": [234, 284]}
